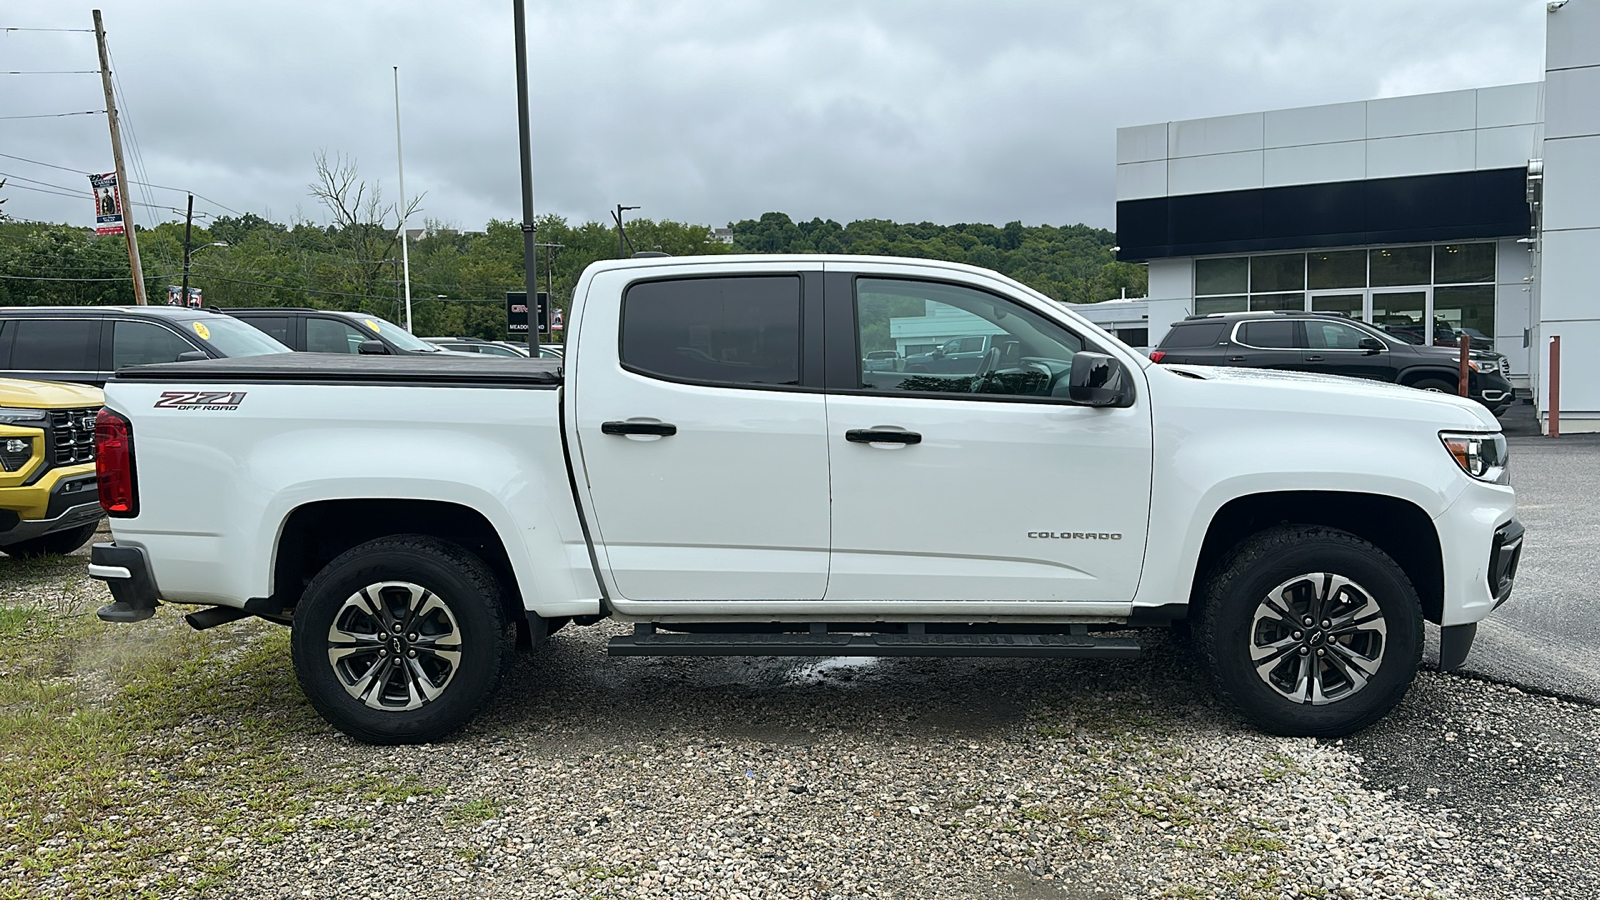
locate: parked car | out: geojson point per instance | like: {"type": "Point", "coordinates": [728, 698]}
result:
{"type": "Point", "coordinates": [48, 500]}
{"type": "Point", "coordinates": [85, 344]}
{"type": "Point", "coordinates": [881, 361]}
{"type": "Point", "coordinates": [958, 355]}
{"type": "Point", "coordinates": [713, 470]}
{"type": "Point", "coordinates": [332, 331]}
{"type": "Point", "coordinates": [493, 348]}
{"type": "Point", "coordinates": [1331, 345]}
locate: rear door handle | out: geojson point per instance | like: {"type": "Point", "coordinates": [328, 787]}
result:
{"type": "Point", "coordinates": [659, 429]}
{"type": "Point", "coordinates": [1235, 359]}
{"type": "Point", "coordinates": [881, 436]}
{"type": "Point", "coordinates": [1313, 359]}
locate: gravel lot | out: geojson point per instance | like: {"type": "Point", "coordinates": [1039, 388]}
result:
{"type": "Point", "coordinates": [599, 777]}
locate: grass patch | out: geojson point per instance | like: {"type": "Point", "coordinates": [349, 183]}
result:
{"type": "Point", "coordinates": [475, 812]}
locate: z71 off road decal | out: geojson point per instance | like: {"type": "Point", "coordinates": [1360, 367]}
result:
{"type": "Point", "coordinates": [200, 399]}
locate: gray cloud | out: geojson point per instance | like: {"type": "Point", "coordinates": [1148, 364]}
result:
{"type": "Point", "coordinates": [714, 110]}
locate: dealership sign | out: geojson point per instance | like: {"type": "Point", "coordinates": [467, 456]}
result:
{"type": "Point", "coordinates": [517, 312]}
{"type": "Point", "coordinates": [107, 204]}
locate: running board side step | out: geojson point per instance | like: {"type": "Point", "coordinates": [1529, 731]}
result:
{"type": "Point", "coordinates": [645, 641]}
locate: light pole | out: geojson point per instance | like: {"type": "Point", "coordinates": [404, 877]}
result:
{"type": "Point", "coordinates": [621, 235]}
{"type": "Point", "coordinates": [188, 254]}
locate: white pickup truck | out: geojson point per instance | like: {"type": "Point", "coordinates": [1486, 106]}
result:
{"type": "Point", "coordinates": [713, 464]}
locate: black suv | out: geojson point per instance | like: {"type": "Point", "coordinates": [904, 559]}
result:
{"type": "Point", "coordinates": [85, 344]}
{"type": "Point", "coordinates": [333, 331]}
{"type": "Point", "coordinates": [1330, 345]}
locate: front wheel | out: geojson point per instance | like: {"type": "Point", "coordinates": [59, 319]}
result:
{"type": "Point", "coordinates": [1311, 631]}
{"type": "Point", "coordinates": [401, 640]}
{"type": "Point", "coordinates": [1437, 386]}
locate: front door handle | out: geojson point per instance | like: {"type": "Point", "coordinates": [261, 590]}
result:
{"type": "Point", "coordinates": [1313, 359]}
{"type": "Point", "coordinates": [881, 436]}
{"type": "Point", "coordinates": [659, 429]}
{"type": "Point", "coordinates": [1235, 359]}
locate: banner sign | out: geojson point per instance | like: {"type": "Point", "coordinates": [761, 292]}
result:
{"type": "Point", "coordinates": [555, 319]}
{"type": "Point", "coordinates": [175, 292]}
{"type": "Point", "coordinates": [517, 312]}
{"type": "Point", "coordinates": [107, 204]}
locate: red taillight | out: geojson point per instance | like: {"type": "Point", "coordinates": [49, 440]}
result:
{"type": "Point", "coordinates": [113, 465]}
{"type": "Point", "coordinates": [1157, 355]}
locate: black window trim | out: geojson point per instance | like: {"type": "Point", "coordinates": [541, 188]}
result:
{"type": "Point", "coordinates": [811, 354]}
{"type": "Point", "coordinates": [843, 313]}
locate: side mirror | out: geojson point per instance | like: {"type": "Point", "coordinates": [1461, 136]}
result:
{"type": "Point", "coordinates": [938, 353]}
{"type": "Point", "coordinates": [1098, 380]}
{"type": "Point", "coordinates": [191, 356]}
{"type": "Point", "coordinates": [373, 348]}
{"type": "Point", "coordinates": [1371, 345]}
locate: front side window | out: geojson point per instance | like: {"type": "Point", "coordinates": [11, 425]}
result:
{"type": "Point", "coordinates": [333, 336]}
{"type": "Point", "coordinates": [982, 344]}
{"type": "Point", "coordinates": [1333, 336]}
{"type": "Point", "coordinates": [740, 331]}
{"type": "Point", "coordinates": [140, 343]}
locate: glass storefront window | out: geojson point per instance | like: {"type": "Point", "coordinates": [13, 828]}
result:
{"type": "Point", "coordinates": [1221, 276]}
{"type": "Point", "coordinates": [1463, 263]}
{"type": "Point", "coordinates": [1347, 305]}
{"type": "Point", "coordinates": [1402, 314]}
{"type": "Point", "coordinates": [1392, 266]}
{"type": "Point", "coordinates": [1336, 269]}
{"type": "Point", "coordinates": [1205, 306]}
{"type": "Point", "coordinates": [1280, 272]}
{"type": "Point", "coordinates": [1468, 310]}
{"type": "Point", "coordinates": [1259, 302]}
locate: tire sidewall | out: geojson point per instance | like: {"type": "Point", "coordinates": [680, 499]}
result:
{"type": "Point", "coordinates": [443, 569]}
{"type": "Point", "coordinates": [1230, 613]}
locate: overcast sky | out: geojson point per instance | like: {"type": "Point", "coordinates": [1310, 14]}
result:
{"type": "Point", "coordinates": [704, 111]}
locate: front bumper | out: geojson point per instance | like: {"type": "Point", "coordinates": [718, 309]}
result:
{"type": "Point", "coordinates": [1505, 553]}
{"type": "Point", "coordinates": [126, 571]}
{"type": "Point", "coordinates": [73, 501]}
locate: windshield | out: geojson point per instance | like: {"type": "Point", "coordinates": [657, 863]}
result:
{"type": "Point", "coordinates": [231, 337]}
{"type": "Point", "coordinates": [397, 336]}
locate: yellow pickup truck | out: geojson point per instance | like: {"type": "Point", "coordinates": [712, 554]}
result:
{"type": "Point", "coordinates": [49, 502]}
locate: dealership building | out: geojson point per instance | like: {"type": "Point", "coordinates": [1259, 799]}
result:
{"type": "Point", "coordinates": [1470, 212]}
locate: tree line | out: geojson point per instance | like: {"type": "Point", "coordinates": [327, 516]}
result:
{"type": "Point", "coordinates": [353, 261]}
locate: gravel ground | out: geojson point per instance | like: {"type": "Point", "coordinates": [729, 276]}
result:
{"type": "Point", "coordinates": [845, 778]}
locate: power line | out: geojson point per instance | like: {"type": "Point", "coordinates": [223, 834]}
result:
{"type": "Point", "coordinates": [56, 72]}
{"type": "Point", "coordinates": [83, 30]}
{"type": "Point", "coordinates": [161, 187]}
{"type": "Point", "coordinates": [44, 278]}
{"type": "Point", "coordinates": [24, 187]}
{"type": "Point", "coordinates": [87, 112]}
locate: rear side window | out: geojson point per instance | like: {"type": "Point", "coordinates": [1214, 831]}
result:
{"type": "Point", "coordinates": [1200, 334]}
{"type": "Point", "coordinates": [139, 343]}
{"type": "Point", "coordinates": [56, 345]}
{"type": "Point", "coordinates": [734, 331]}
{"type": "Point", "coordinates": [275, 327]}
{"type": "Point", "coordinates": [1273, 334]}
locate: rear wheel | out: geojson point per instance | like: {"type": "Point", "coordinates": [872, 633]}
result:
{"type": "Point", "coordinates": [1436, 385]}
{"type": "Point", "coordinates": [401, 640]}
{"type": "Point", "coordinates": [1311, 631]}
{"type": "Point", "coordinates": [56, 542]}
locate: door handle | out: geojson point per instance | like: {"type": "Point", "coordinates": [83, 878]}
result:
{"type": "Point", "coordinates": [881, 436]}
{"type": "Point", "coordinates": [1313, 359]}
{"type": "Point", "coordinates": [659, 429]}
{"type": "Point", "coordinates": [1235, 359]}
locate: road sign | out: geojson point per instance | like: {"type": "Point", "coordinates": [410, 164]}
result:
{"type": "Point", "coordinates": [517, 312]}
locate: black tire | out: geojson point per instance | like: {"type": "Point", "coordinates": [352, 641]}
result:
{"type": "Point", "coordinates": [452, 630]}
{"type": "Point", "coordinates": [54, 543]}
{"type": "Point", "coordinates": [1437, 385]}
{"type": "Point", "coordinates": [1298, 567]}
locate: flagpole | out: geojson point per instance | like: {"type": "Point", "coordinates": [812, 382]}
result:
{"type": "Point", "coordinates": [405, 254]}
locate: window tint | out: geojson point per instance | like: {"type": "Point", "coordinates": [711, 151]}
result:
{"type": "Point", "coordinates": [982, 344]}
{"type": "Point", "coordinates": [138, 343]}
{"type": "Point", "coordinates": [275, 327]}
{"type": "Point", "coordinates": [1200, 334]}
{"type": "Point", "coordinates": [721, 330]}
{"type": "Point", "coordinates": [1333, 336]}
{"type": "Point", "coordinates": [1269, 333]}
{"type": "Point", "coordinates": [333, 336]}
{"type": "Point", "coordinates": [232, 337]}
{"type": "Point", "coordinates": [1134, 337]}
{"type": "Point", "coordinates": [57, 345]}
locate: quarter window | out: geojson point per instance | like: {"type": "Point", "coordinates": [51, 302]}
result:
{"type": "Point", "coordinates": [729, 331]}
{"type": "Point", "coordinates": [140, 343]}
{"type": "Point", "coordinates": [956, 341]}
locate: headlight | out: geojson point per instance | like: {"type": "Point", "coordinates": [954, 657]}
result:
{"type": "Point", "coordinates": [13, 416]}
{"type": "Point", "coordinates": [1483, 456]}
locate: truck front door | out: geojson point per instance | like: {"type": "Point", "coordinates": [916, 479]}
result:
{"type": "Point", "coordinates": [704, 448]}
{"type": "Point", "coordinates": [989, 486]}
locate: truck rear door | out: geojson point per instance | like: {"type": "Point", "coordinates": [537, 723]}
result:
{"type": "Point", "coordinates": [702, 432]}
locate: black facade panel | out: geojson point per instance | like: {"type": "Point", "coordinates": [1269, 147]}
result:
{"type": "Point", "coordinates": [1415, 209]}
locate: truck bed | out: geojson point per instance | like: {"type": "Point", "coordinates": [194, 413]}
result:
{"type": "Point", "coordinates": [345, 369]}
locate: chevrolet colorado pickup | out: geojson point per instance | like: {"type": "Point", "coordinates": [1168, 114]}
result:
{"type": "Point", "coordinates": [711, 463]}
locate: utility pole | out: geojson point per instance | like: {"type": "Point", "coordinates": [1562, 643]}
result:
{"type": "Point", "coordinates": [550, 284]}
{"type": "Point", "coordinates": [405, 252]}
{"type": "Point", "coordinates": [188, 223]}
{"type": "Point", "coordinates": [122, 174]}
{"type": "Point", "coordinates": [530, 265]}
{"type": "Point", "coordinates": [621, 235]}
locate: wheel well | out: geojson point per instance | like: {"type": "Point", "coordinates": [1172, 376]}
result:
{"type": "Point", "coordinates": [1416, 375]}
{"type": "Point", "coordinates": [316, 533]}
{"type": "Point", "coordinates": [1397, 527]}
